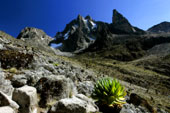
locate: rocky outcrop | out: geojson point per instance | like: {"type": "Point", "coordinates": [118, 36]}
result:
{"type": "Point", "coordinates": [34, 37]}
{"type": "Point", "coordinates": [60, 87]}
{"type": "Point", "coordinates": [34, 34]}
{"type": "Point", "coordinates": [5, 85]}
{"type": "Point", "coordinates": [76, 104]}
{"type": "Point", "coordinates": [163, 27]}
{"type": "Point", "coordinates": [26, 97]}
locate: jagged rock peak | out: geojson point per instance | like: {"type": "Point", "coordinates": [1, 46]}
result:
{"type": "Point", "coordinates": [119, 18]}
{"type": "Point", "coordinates": [79, 17]}
{"type": "Point", "coordinates": [88, 18]}
{"type": "Point", "coordinates": [122, 25]}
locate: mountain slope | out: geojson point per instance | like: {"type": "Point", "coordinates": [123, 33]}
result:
{"type": "Point", "coordinates": [163, 27]}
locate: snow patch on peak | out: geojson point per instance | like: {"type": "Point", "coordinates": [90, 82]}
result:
{"type": "Point", "coordinates": [94, 25]}
{"type": "Point", "coordinates": [85, 21]}
{"type": "Point", "coordinates": [56, 45]}
{"type": "Point", "coordinates": [92, 39]}
{"type": "Point", "coordinates": [75, 26]}
{"type": "Point", "coordinates": [66, 35]}
{"type": "Point", "coordinates": [89, 22]}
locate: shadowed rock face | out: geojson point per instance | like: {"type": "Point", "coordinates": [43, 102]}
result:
{"type": "Point", "coordinates": [163, 27]}
{"type": "Point", "coordinates": [121, 23]}
{"type": "Point", "coordinates": [77, 35]}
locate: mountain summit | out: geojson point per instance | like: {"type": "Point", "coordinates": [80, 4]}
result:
{"type": "Point", "coordinates": [121, 23]}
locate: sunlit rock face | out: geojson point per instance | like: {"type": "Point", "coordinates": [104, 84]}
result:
{"type": "Point", "coordinates": [34, 34]}
{"type": "Point", "coordinates": [35, 37]}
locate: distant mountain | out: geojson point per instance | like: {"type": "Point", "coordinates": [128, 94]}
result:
{"type": "Point", "coordinates": [77, 35]}
{"type": "Point", "coordinates": [82, 32]}
{"type": "Point", "coordinates": [163, 27]}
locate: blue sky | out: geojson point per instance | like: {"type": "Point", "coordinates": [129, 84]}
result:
{"type": "Point", "coordinates": [53, 15]}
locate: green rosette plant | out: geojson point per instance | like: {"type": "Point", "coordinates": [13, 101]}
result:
{"type": "Point", "coordinates": [109, 92]}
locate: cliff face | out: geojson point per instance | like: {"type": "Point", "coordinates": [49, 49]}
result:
{"type": "Point", "coordinates": [121, 23]}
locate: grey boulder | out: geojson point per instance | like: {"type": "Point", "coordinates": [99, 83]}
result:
{"type": "Point", "coordinates": [76, 104]}
{"type": "Point", "coordinates": [85, 87]}
{"type": "Point", "coordinates": [130, 108]}
{"type": "Point", "coordinates": [6, 101]}
{"type": "Point", "coordinates": [7, 109]}
{"type": "Point", "coordinates": [5, 85]}
{"type": "Point", "coordinates": [26, 97]}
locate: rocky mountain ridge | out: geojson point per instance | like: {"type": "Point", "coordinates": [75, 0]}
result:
{"type": "Point", "coordinates": [81, 32]}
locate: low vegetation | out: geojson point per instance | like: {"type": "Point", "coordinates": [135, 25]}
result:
{"type": "Point", "coordinates": [14, 59]}
{"type": "Point", "coordinates": [109, 91]}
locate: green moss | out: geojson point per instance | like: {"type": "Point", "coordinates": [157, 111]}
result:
{"type": "Point", "coordinates": [55, 64]}
{"type": "Point", "coordinates": [14, 59]}
{"type": "Point", "coordinates": [13, 70]}
{"type": "Point", "coordinates": [167, 58]}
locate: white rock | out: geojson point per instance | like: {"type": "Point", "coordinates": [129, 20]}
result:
{"type": "Point", "coordinates": [1, 46]}
{"type": "Point", "coordinates": [6, 109]}
{"type": "Point", "coordinates": [90, 106]}
{"type": "Point", "coordinates": [5, 85]}
{"type": "Point", "coordinates": [6, 101]}
{"type": "Point", "coordinates": [76, 104]}
{"type": "Point", "coordinates": [26, 97]}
